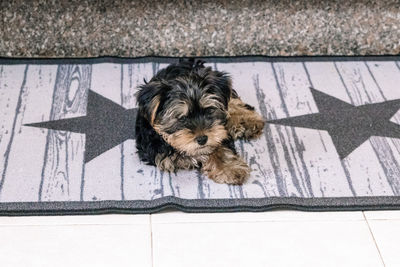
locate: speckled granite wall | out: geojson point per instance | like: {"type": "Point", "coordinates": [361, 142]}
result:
{"type": "Point", "coordinates": [177, 28]}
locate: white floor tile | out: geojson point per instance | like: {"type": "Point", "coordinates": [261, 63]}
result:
{"type": "Point", "coordinates": [383, 215]}
{"type": "Point", "coordinates": [75, 245]}
{"type": "Point", "coordinates": [387, 236]}
{"type": "Point", "coordinates": [273, 244]}
{"type": "Point", "coordinates": [71, 220]}
{"type": "Point", "coordinates": [289, 215]}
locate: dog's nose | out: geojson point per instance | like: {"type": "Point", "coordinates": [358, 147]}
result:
{"type": "Point", "coordinates": [201, 140]}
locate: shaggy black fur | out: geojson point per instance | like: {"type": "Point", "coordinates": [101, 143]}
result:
{"type": "Point", "coordinates": [149, 143]}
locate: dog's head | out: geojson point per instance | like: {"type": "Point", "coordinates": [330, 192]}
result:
{"type": "Point", "coordinates": [188, 111]}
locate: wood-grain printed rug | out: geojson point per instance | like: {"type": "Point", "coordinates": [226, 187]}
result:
{"type": "Point", "coordinates": [332, 141]}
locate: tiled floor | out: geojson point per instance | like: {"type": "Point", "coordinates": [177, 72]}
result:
{"type": "Point", "coordinates": [279, 238]}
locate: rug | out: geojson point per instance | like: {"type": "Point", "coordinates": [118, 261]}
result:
{"type": "Point", "coordinates": [331, 141]}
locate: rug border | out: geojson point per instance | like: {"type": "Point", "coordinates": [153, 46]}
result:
{"type": "Point", "coordinates": [196, 205]}
{"type": "Point", "coordinates": [169, 59]}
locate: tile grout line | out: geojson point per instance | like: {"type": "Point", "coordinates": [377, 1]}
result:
{"type": "Point", "coordinates": [257, 221]}
{"type": "Point", "coordinates": [151, 241]}
{"type": "Point", "coordinates": [373, 238]}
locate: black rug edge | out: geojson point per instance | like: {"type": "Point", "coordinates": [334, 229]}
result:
{"type": "Point", "coordinates": [198, 205]}
{"type": "Point", "coordinates": [214, 59]}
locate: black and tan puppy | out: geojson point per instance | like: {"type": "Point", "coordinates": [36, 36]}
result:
{"type": "Point", "coordinates": [189, 117]}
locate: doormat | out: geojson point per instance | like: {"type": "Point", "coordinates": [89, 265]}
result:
{"type": "Point", "coordinates": [331, 141]}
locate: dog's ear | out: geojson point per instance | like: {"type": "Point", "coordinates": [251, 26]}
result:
{"type": "Point", "coordinates": [149, 98]}
{"type": "Point", "coordinates": [224, 83]}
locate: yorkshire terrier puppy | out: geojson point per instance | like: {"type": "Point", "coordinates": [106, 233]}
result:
{"type": "Point", "coordinates": [189, 117]}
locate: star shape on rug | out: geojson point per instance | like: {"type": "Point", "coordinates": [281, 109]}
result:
{"type": "Point", "coordinates": [349, 126]}
{"type": "Point", "coordinates": [105, 125]}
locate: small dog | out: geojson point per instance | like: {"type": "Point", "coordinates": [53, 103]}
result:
{"type": "Point", "coordinates": [189, 117]}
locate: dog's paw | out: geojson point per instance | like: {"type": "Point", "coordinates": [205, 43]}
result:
{"type": "Point", "coordinates": [234, 173]}
{"type": "Point", "coordinates": [166, 164]}
{"type": "Point", "coordinates": [243, 120]}
{"type": "Point", "coordinates": [254, 126]}
{"type": "Point", "coordinates": [250, 126]}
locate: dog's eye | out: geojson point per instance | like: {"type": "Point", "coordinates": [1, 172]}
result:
{"type": "Point", "coordinates": [182, 119]}
{"type": "Point", "coordinates": [209, 111]}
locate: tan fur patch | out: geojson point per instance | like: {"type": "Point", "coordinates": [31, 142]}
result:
{"type": "Point", "coordinates": [165, 163]}
{"type": "Point", "coordinates": [184, 140]}
{"type": "Point", "coordinates": [155, 102]}
{"type": "Point", "coordinates": [223, 166]}
{"type": "Point", "coordinates": [186, 162]}
{"type": "Point", "coordinates": [178, 161]}
{"type": "Point", "coordinates": [242, 122]}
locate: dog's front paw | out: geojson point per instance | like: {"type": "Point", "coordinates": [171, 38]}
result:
{"type": "Point", "coordinates": [165, 163]}
{"type": "Point", "coordinates": [254, 126]}
{"type": "Point", "coordinates": [249, 126]}
{"type": "Point", "coordinates": [244, 121]}
{"type": "Point", "coordinates": [235, 173]}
